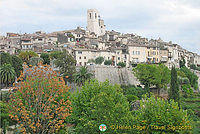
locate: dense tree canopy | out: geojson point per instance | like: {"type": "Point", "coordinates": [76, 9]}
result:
{"type": "Point", "coordinates": [66, 64]}
{"type": "Point", "coordinates": [152, 75]}
{"type": "Point", "coordinates": [46, 58]}
{"type": "Point", "coordinates": [108, 62]}
{"type": "Point", "coordinates": [5, 58]}
{"type": "Point", "coordinates": [121, 64]}
{"type": "Point", "coordinates": [158, 115]}
{"type": "Point", "coordinates": [17, 63]}
{"type": "Point", "coordinates": [26, 55]}
{"type": "Point", "coordinates": [99, 60]}
{"type": "Point", "coordinates": [99, 103]}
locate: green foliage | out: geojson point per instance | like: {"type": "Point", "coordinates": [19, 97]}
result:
{"type": "Point", "coordinates": [174, 87]}
{"type": "Point", "coordinates": [132, 92]}
{"type": "Point", "coordinates": [7, 74]}
{"type": "Point", "coordinates": [108, 62]}
{"type": "Point", "coordinates": [5, 58]}
{"type": "Point", "coordinates": [46, 58]}
{"type": "Point", "coordinates": [157, 113]}
{"type": "Point", "coordinates": [13, 60]}
{"type": "Point", "coordinates": [99, 60]}
{"type": "Point", "coordinates": [34, 61]}
{"type": "Point", "coordinates": [194, 67]}
{"type": "Point", "coordinates": [152, 75]}
{"type": "Point", "coordinates": [26, 55]}
{"type": "Point", "coordinates": [193, 78]}
{"type": "Point", "coordinates": [191, 104]}
{"type": "Point", "coordinates": [182, 62]}
{"type": "Point", "coordinates": [121, 64]}
{"type": "Point", "coordinates": [55, 54]}
{"type": "Point", "coordinates": [99, 103]}
{"type": "Point", "coordinates": [82, 75]}
{"type": "Point", "coordinates": [17, 63]}
{"type": "Point", "coordinates": [4, 115]}
{"type": "Point", "coordinates": [66, 64]}
{"type": "Point", "coordinates": [187, 89]}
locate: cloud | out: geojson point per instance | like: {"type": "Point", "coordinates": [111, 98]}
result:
{"type": "Point", "coordinates": [169, 19]}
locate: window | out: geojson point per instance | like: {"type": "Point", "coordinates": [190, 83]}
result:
{"type": "Point", "coordinates": [133, 52]}
{"type": "Point", "coordinates": [90, 15]}
{"type": "Point", "coordinates": [39, 39]}
{"type": "Point", "coordinates": [118, 58]}
{"type": "Point", "coordinates": [79, 52]}
{"type": "Point", "coordinates": [79, 57]}
{"type": "Point", "coordinates": [85, 57]}
{"type": "Point", "coordinates": [85, 63]}
{"type": "Point", "coordinates": [154, 48]}
{"type": "Point", "coordinates": [95, 15]}
{"type": "Point", "coordinates": [80, 63]}
{"type": "Point", "coordinates": [108, 58]}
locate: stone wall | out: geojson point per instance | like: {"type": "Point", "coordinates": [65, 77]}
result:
{"type": "Point", "coordinates": [198, 74]}
{"type": "Point", "coordinates": [114, 74]}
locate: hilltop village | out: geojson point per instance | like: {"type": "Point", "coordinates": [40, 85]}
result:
{"type": "Point", "coordinates": [95, 40]}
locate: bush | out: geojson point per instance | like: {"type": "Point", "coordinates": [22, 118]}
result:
{"type": "Point", "coordinates": [121, 64]}
{"type": "Point", "coordinates": [193, 78]}
{"type": "Point", "coordinates": [99, 103]}
{"type": "Point", "coordinates": [108, 62]}
{"type": "Point", "coordinates": [159, 116]}
{"type": "Point", "coordinates": [40, 104]}
{"type": "Point", "coordinates": [4, 114]}
{"type": "Point", "coordinates": [132, 92]}
{"type": "Point", "coordinates": [99, 60]}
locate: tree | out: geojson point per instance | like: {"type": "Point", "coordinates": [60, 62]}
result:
{"type": "Point", "coordinates": [17, 63]}
{"type": "Point", "coordinates": [99, 60]}
{"type": "Point", "coordinates": [40, 104]}
{"type": "Point", "coordinates": [148, 75]}
{"type": "Point", "coordinates": [182, 62]}
{"type": "Point", "coordinates": [108, 62]}
{"type": "Point", "coordinates": [7, 74]}
{"type": "Point", "coordinates": [193, 78]}
{"type": "Point", "coordinates": [4, 114]}
{"type": "Point", "coordinates": [133, 93]}
{"type": "Point", "coordinates": [99, 103]}
{"type": "Point", "coordinates": [164, 77]}
{"type": "Point", "coordinates": [159, 115]}
{"type": "Point", "coordinates": [66, 64]}
{"type": "Point", "coordinates": [82, 75]}
{"type": "Point", "coordinates": [174, 88]}
{"type": "Point", "coordinates": [121, 64]}
{"type": "Point", "coordinates": [26, 55]}
{"type": "Point", "coordinates": [46, 58]}
{"type": "Point", "coordinates": [34, 61]}
{"type": "Point", "coordinates": [5, 58]}
{"type": "Point", "coordinates": [55, 54]}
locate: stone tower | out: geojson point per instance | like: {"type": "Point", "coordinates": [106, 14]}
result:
{"type": "Point", "coordinates": [95, 23]}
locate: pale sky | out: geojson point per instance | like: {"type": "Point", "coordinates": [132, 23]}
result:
{"type": "Point", "coordinates": [172, 20]}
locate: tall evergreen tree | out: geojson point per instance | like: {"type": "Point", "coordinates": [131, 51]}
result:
{"type": "Point", "coordinates": [174, 87]}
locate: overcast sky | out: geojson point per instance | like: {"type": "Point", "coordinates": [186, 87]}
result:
{"type": "Point", "coordinates": [172, 20]}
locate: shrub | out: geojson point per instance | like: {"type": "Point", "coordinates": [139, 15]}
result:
{"type": "Point", "coordinates": [40, 104]}
{"type": "Point", "coordinates": [99, 60]}
{"type": "Point", "coordinates": [99, 103]}
{"type": "Point", "coordinates": [108, 62]}
{"type": "Point", "coordinates": [158, 115]}
{"type": "Point", "coordinates": [121, 64]}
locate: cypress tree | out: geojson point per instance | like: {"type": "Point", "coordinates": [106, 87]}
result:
{"type": "Point", "coordinates": [174, 87]}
